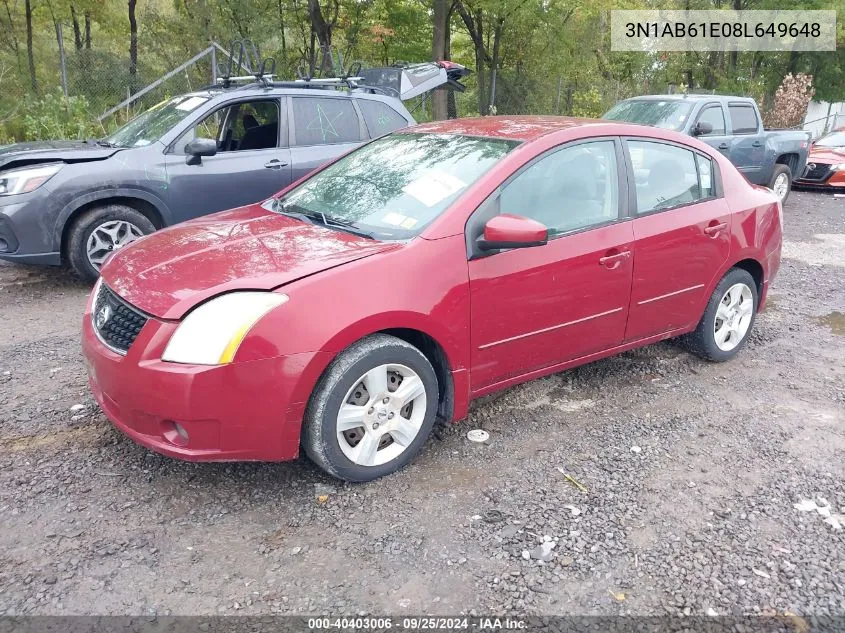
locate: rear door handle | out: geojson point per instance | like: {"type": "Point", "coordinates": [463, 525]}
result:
{"type": "Point", "coordinates": [756, 144]}
{"type": "Point", "coordinates": [275, 164]}
{"type": "Point", "coordinates": [723, 146]}
{"type": "Point", "coordinates": [713, 229]}
{"type": "Point", "coordinates": [612, 261]}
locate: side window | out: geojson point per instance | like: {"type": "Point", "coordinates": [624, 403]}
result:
{"type": "Point", "coordinates": [380, 117]}
{"type": "Point", "coordinates": [666, 175]}
{"type": "Point", "coordinates": [743, 119]}
{"type": "Point", "coordinates": [242, 126]}
{"type": "Point", "coordinates": [570, 189]}
{"type": "Point", "coordinates": [715, 117]}
{"type": "Point", "coordinates": [705, 176]}
{"type": "Point", "coordinates": [321, 121]}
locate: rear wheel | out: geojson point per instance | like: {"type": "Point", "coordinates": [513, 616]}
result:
{"type": "Point", "coordinates": [781, 182]}
{"type": "Point", "coordinates": [728, 319]}
{"type": "Point", "coordinates": [372, 411]}
{"type": "Point", "coordinates": [101, 231]}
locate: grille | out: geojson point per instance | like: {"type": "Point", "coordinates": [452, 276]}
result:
{"type": "Point", "coordinates": [117, 322]}
{"type": "Point", "coordinates": [817, 172]}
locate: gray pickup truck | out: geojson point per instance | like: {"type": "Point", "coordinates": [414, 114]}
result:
{"type": "Point", "coordinates": [773, 158]}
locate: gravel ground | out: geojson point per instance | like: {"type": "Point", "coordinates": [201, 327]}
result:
{"type": "Point", "coordinates": [691, 473]}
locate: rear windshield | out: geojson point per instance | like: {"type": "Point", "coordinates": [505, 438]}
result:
{"type": "Point", "coordinates": [667, 114]}
{"type": "Point", "coordinates": [396, 185]}
{"type": "Point", "coordinates": [837, 139]}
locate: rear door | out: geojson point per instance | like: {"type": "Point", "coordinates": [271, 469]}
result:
{"type": "Point", "coordinates": [748, 149]}
{"type": "Point", "coordinates": [681, 235]}
{"type": "Point", "coordinates": [322, 128]}
{"type": "Point", "coordinates": [536, 307]}
{"type": "Point", "coordinates": [252, 162]}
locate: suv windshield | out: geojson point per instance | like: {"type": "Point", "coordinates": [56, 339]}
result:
{"type": "Point", "coordinates": [667, 114]}
{"type": "Point", "coordinates": [393, 187]}
{"type": "Point", "coordinates": [836, 139]}
{"type": "Point", "coordinates": [148, 127]}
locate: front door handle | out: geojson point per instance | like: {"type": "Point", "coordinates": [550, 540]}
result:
{"type": "Point", "coordinates": [723, 146]}
{"type": "Point", "coordinates": [756, 144]}
{"type": "Point", "coordinates": [275, 164]}
{"type": "Point", "coordinates": [613, 260]}
{"type": "Point", "coordinates": [714, 229]}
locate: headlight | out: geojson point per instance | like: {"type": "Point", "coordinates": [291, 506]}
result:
{"type": "Point", "coordinates": [26, 179]}
{"type": "Point", "coordinates": [211, 334]}
{"type": "Point", "coordinates": [838, 167]}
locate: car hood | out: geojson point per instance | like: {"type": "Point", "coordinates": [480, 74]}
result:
{"type": "Point", "coordinates": [827, 155]}
{"type": "Point", "coordinates": [46, 151]}
{"type": "Point", "coordinates": [167, 273]}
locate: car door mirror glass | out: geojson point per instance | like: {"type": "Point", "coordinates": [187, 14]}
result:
{"type": "Point", "coordinates": [702, 128]}
{"type": "Point", "coordinates": [198, 148]}
{"type": "Point", "coordinates": [512, 231]}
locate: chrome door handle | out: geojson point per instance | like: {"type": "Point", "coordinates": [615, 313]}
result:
{"type": "Point", "coordinates": [613, 261]}
{"type": "Point", "coordinates": [275, 164]}
{"type": "Point", "coordinates": [713, 229]}
{"type": "Point", "coordinates": [723, 146]}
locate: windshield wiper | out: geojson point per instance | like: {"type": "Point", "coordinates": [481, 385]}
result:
{"type": "Point", "coordinates": [321, 218]}
{"type": "Point", "coordinates": [104, 143]}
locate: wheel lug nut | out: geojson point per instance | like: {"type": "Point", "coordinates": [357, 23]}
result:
{"type": "Point", "coordinates": [370, 410]}
{"type": "Point", "coordinates": [390, 416]}
{"type": "Point", "coordinates": [375, 425]}
{"type": "Point", "coordinates": [386, 400]}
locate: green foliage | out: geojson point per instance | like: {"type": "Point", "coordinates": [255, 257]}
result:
{"type": "Point", "coordinates": [52, 117]}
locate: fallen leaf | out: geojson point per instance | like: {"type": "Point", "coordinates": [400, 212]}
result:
{"type": "Point", "coordinates": [322, 499]}
{"type": "Point", "coordinates": [761, 573]}
{"type": "Point", "coordinates": [619, 597]}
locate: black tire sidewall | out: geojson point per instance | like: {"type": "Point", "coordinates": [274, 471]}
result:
{"type": "Point", "coordinates": [782, 169]}
{"type": "Point", "coordinates": [319, 433]}
{"type": "Point", "coordinates": [705, 336]}
{"type": "Point", "coordinates": [82, 228]}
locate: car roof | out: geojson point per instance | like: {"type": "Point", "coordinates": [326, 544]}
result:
{"type": "Point", "coordinates": [518, 128]}
{"type": "Point", "coordinates": [689, 97]}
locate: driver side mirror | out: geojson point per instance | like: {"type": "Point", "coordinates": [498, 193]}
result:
{"type": "Point", "coordinates": [701, 128]}
{"type": "Point", "coordinates": [198, 148]}
{"type": "Point", "coordinates": [512, 231]}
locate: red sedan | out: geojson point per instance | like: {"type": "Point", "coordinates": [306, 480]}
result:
{"type": "Point", "coordinates": [427, 268]}
{"type": "Point", "coordinates": [825, 164]}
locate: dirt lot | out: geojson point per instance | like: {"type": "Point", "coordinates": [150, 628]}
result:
{"type": "Point", "coordinates": [691, 472]}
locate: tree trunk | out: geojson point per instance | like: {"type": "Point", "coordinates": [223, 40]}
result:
{"type": "Point", "coordinates": [494, 62]}
{"type": "Point", "coordinates": [77, 32]}
{"type": "Point", "coordinates": [12, 31]}
{"type": "Point", "coordinates": [475, 28]}
{"type": "Point", "coordinates": [439, 43]}
{"type": "Point", "coordinates": [133, 48]}
{"type": "Point", "coordinates": [282, 30]}
{"type": "Point", "coordinates": [30, 58]}
{"type": "Point", "coordinates": [323, 31]}
{"type": "Point", "coordinates": [87, 30]}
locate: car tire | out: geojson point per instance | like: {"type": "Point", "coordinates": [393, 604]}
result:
{"type": "Point", "coordinates": [705, 340]}
{"type": "Point", "coordinates": [784, 173]}
{"type": "Point", "coordinates": [332, 445]}
{"type": "Point", "coordinates": [125, 223]}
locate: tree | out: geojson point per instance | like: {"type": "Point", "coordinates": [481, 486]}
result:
{"type": "Point", "coordinates": [133, 47]}
{"type": "Point", "coordinates": [29, 54]}
{"type": "Point", "coordinates": [440, 15]}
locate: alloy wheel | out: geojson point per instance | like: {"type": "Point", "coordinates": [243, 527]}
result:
{"type": "Point", "coordinates": [108, 237]}
{"type": "Point", "coordinates": [781, 186]}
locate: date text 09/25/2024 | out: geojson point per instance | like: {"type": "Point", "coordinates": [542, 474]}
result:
{"type": "Point", "coordinates": [423, 623]}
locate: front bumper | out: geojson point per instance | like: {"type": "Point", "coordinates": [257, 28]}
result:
{"type": "Point", "coordinates": [236, 412]}
{"type": "Point", "coordinates": [27, 229]}
{"type": "Point", "coordinates": [835, 180]}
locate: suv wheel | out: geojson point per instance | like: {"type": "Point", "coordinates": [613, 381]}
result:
{"type": "Point", "coordinates": [101, 231]}
{"type": "Point", "coordinates": [781, 182]}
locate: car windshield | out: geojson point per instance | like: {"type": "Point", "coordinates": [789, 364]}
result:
{"type": "Point", "coordinates": [836, 139]}
{"type": "Point", "coordinates": [668, 114]}
{"type": "Point", "coordinates": [393, 187]}
{"type": "Point", "coordinates": [148, 127]}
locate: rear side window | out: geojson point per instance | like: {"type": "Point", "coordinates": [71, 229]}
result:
{"type": "Point", "coordinates": [743, 118]}
{"type": "Point", "coordinates": [667, 176]}
{"type": "Point", "coordinates": [714, 116]}
{"type": "Point", "coordinates": [380, 117]}
{"type": "Point", "coordinates": [320, 121]}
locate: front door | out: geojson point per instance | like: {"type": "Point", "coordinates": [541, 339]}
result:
{"type": "Point", "coordinates": [682, 236]}
{"type": "Point", "coordinates": [536, 307]}
{"type": "Point", "coordinates": [252, 163]}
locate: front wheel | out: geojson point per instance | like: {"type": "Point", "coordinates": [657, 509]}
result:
{"type": "Point", "coordinates": [781, 182]}
{"type": "Point", "coordinates": [372, 410]}
{"type": "Point", "coordinates": [101, 231]}
{"type": "Point", "coordinates": [728, 319]}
